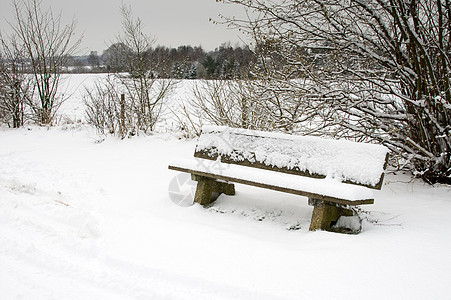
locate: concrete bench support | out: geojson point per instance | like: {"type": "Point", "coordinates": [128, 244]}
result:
{"type": "Point", "coordinates": [326, 214]}
{"type": "Point", "coordinates": [209, 189]}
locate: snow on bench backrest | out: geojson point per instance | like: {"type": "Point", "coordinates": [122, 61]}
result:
{"type": "Point", "coordinates": [350, 162]}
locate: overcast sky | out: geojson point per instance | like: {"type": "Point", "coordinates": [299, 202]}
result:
{"type": "Point", "coordinates": [171, 22]}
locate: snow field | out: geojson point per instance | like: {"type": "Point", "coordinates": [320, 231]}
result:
{"type": "Point", "coordinates": [85, 217]}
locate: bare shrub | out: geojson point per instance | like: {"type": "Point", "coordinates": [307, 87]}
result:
{"type": "Point", "coordinates": [266, 104]}
{"type": "Point", "coordinates": [102, 109]}
{"type": "Point", "coordinates": [225, 103]}
{"type": "Point", "coordinates": [112, 108]}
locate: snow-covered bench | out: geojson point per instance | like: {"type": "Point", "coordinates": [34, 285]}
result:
{"type": "Point", "coordinates": [333, 174]}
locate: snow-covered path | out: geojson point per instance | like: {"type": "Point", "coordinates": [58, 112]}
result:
{"type": "Point", "coordinates": [85, 218]}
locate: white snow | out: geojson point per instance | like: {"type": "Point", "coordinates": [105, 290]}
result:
{"type": "Point", "coordinates": [339, 159]}
{"type": "Point", "coordinates": [327, 186]}
{"type": "Point", "coordinates": [87, 218]}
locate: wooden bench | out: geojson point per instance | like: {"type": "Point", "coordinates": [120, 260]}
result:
{"type": "Point", "coordinates": [333, 174]}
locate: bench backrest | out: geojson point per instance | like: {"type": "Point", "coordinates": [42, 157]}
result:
{"type": "Point", "coordinates": [349, 162]}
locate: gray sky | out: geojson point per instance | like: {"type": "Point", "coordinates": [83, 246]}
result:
{"type": "Point", "coordinates": [171, 22]}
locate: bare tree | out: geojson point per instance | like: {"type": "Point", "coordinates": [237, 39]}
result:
{"type": "Point", "coordinates": [147, 92]}
{"type": "Point", "coordinates": [116, 58]}
{"type": "Point", "coordinates": [142, 103]}
{"type": "Point", "coordinates": [16, 88]}
{"type": "Point", "coordinates": [47, 44]}
{"type": "Point", "coordinates": [383, 67]}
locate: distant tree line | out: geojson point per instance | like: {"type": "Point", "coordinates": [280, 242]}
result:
{"type": "Point", "coordinates": [183, 62]}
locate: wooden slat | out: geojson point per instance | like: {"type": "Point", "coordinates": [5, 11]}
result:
{"type": "Point", "coordinates": [274, 187]}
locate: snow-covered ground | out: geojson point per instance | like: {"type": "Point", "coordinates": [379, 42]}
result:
{"type": "Point", "coordinates": [87, 217]}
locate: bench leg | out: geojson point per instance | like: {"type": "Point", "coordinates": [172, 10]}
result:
{"type": "Point", "coordinates": [208, 189]}
{"type": "Point", "coordinates": [326, 214]}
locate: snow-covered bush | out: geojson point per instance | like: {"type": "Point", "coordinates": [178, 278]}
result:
{"type": "Point", "coordinates": [382, 68]}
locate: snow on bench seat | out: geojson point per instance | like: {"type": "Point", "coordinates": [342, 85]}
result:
{"type": "Point", "coordinates": [328, 188]}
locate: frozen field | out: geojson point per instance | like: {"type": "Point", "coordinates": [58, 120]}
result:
{"type": "Point", "coordinates": [88, 217]}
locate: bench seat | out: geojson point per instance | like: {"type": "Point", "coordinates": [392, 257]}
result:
{"type": "Point", "coordinates": [324, 189]}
